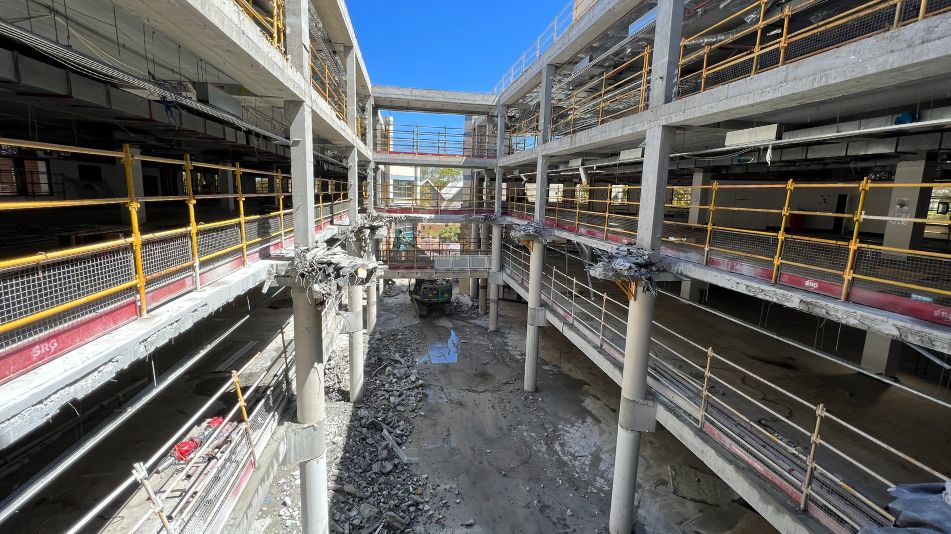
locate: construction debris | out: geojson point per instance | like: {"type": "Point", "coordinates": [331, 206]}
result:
{"type": "Point", "coordinates": [324, 272]}
{"type": "Point", "coordinates": [486, 218]}
{"type": "Point", "coordinates": [530, 231]}
{"type": "Point", "coordinates": [626, 263]}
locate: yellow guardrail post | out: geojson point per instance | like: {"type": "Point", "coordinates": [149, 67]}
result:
{"type": "Point", "coordinates": [280, 205]}
{"type": "Point", "coordinates": [854, 243]}
{"type": "Point", "coordinates": [759, 36]}
{"type": "Point", "coordinates": [127, 162]}
{"type": "Point", "coordinates": [712, 211]}
{"type": "Point", "coordinates": [244, 235]}
{"type": "Point", "coordinates": [703, 73]}
{"type": "Point", "coordinates": [244, 415]}
{"type": "Point", "coordinates": [898, 8]}
{"type": "Point", "coordinates": [193, 227]}
{"type": "Point", "coordinates": [784, 41]}
{"type": "Point", "coordinates": [923, 10]}
{"type": "Point", "coordinates": [645, 77]}
{"type": "Point", "coordinates": [320, 200]}
{"type": "Point", "coordinates": [811, 459]}
{"type": "Point", "coordinates": [781, 236]}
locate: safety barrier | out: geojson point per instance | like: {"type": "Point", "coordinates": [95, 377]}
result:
{"type": "Point", "coordinates": [717, 225]}
{"type": "Point", "coordinates": [326, 80]}
{"type": "Point", "coordinates": [434, 141]}
{"type": "Point", "coordinates": [269, 17]}
{"type": "Point", "coordinates": [55, 301]}
{"type": "Point", "coordinates": [402, 197]}
{"type": "Point", "coordinates": [817, 460]}
{"type": "Point", "coordinates": [521, 134]}
{"type": "Point", "coordinates": [619, 92]}
{"type": "Point", "coordinates": [755, 39]}
{"type": "Point", "coordinates": [434, 254]}
{"type": "Point", "coordinates": [558, 26]}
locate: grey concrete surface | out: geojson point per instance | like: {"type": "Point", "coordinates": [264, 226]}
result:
{"type": "Point", "coordinates": [433, 100]}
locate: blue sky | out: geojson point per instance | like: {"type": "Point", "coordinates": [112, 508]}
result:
{"type": "Point", "coordinates": [445, 44]}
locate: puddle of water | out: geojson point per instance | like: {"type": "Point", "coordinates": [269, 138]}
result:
{"type": "Point", "coordinates": [447, 352]}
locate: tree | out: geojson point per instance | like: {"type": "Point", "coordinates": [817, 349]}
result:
{"type": "Point", "coordinates": [439, 176]}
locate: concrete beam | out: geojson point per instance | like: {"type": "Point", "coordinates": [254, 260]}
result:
{"type": "Point", "coordinates": [433, 100]}
{"type": "Point", "coordinates": [414, 160]}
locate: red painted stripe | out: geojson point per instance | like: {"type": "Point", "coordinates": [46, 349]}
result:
{"type": "Point", "coordinates": [830, 289]}
{"type": "Point", "coordinates": [927, 311]}
{"type": "Point", "coordinates": [54, 344]}
{"type": "Point", "coordinates": [220, 271]}
{"type": "Point", "coordinates": [170, 290]}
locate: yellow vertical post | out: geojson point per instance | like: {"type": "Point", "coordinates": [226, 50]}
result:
{"type": "Point", "coordinates": [244, 235]}
{"type": "Point", "coordinates": [320, 200]}
{"type": "Point", "coordinates": [578, 207]}
{"type": "Point", "coordinates": [680, 60]}
{"type": "Point", "coordinates": [784, 42]}
{"type": "Point", "coordinates": [274, 16]}
{"type": "Point", "coordinates": [899, 6]}
{"type": "Point", "coordinates": [645, 72]}
{"type": "Point", "coordinates": [759, 36]}
{"type": "Point", "coordinates": [703, 73]}
{"type": "Point", "coordinates": [923, 10]}
{"type": "Point", "coordinates": [192, 225]}
{"type": "Point", "coordinates": [854, 243]}
{"type": "Point", "coordinates": [781, 236]}
{"type": "Point", "coordinates": [280, 204]}
{"type": "Point", "coordinates": [811, 459]}
{"type": "Point", "coordinates": [604, 81]}
{"type": "Point", "coordinates": [244, 414]}
{"type": "Point", "coordinates": [607, 211]}
{"type": "Point", "coordinates": [712, 211]}
{"type": "Point", "coordinates": [127, 162]}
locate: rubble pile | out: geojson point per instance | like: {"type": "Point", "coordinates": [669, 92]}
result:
{"type": "Point", "coordinates": [394, 290]}
{"type": "Point", "coordinates": [325, 272]}
{"type": "Point", "coordinates": [627, 263]}
{"type": "Point", "coordinates": [464, 305]}
{"type": "Point", "coordinates": [528, 231]}
{"type": "Point", "coordinates": [487, 218]}
{"type": "Point", "coordinates": [375, 490]}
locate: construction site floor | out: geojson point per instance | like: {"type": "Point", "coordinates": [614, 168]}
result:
{"type": "Point", "coordinates": [491, 457]}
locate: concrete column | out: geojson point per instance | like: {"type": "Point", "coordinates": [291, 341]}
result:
{"type": "Point", "coordinates": [356, 342]}
{"type": "Point", "coordinates": [691, 289]}
{"type": "Point", "coordinates": [544, 104]}
{"type": "Point", "coordinates": [227, 184]}
{"type": "Point", "coordinates": [665, 55]}
{"type": "Point", "coordinates": [650, 223]}
{"type": "Point", "coordinates": [536, 314]}
{"type": "Point", "coordinates": [297, 29]}
{"type": "Point", "coordinates": [369, 125]}
{"type": "Point", "coordinates": [881, 354]}
{"type": "Point", "coordinates": [302, 173]}
{"type": "Point", "coordinates": [309, 362]}
{"type": "Point", "coordinates": [634, 415]}
{"type": "Point", "coordinates": [371, 187]}
{"type": "Point", "coordinates": [911, 202]}
{"type": "Point", "coordinates": [699, 197]}
{"type": "Point", "coordinates": [353, 187]}
{"type": "Point", "coordinates": [484, 282]}
{"type": "Point", "coordinates": [371, 307]}
{"type": "Point", "coordinates": [495, 289]}
{"type": "Point", "coordinates": [138, 187]}
{"type": "Point", "coordinates": [350, 64]}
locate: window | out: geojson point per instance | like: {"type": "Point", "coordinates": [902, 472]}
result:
{"type": "Point", "coordinates": [402, 189]}
{"type": "Point", "coordinates": [618, 194]}
{"type": "Point", "coordinates": [262, 184]}
{"type": "Point", "coordinates": [582, 194]}
{"type": "Point", "coordinates": [530, 192]}
{"type": "Point", "coordinates": [681, 196]}
{"type": "Point", "coordinates": [556, 192]}
{"type": "Point", "coordinates": [37, 178]}
{"type": "Point", "coordinates": [8, 179]}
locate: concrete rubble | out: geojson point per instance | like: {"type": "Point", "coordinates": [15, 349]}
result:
{"type": "Point", "coordinates": [530, 231]}
{"type": "Point", "coordinates": [626, 263]}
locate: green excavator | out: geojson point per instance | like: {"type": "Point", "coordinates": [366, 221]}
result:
{"type": "Point", "coordinates": [426, 295]}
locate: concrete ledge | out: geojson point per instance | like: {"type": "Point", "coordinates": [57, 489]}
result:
{"type": "Point", "coordinates": [923, 333]}
{"type": "Point", "coordinates": [28, 401]}
{"type": "Point", "coordinates": [417, 160]}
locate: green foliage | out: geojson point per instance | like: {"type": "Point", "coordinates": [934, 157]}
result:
{"type": "Point", "coordinates": [440, 177]}
{"type": "Point", "coordinates": [447, 232]}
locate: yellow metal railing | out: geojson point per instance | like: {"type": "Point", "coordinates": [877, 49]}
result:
{"type": "Point", "coordinates": [618, 92]}
{"type": "Point", "coordinates": [55, 288]}
{"type": "Point", "coordinates": [732, 49]}
{"type": "Point", "coordinates": [269, 17]}
{"type": "Point", "coordinates": [823, 237]}
{"type": "Point", "coordinates": [522, 134]}
{"type": "Point", "coordinates": [326, 82]}
{"type": "Point", "coordinates": [429, 199]}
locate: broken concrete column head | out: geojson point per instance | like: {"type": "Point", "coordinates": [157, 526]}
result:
{"type": "Point", "coordinates": [485, 218]}
{"type": "Point", "coordinates": [530, 231]}
{"type": "Point", "coordinates": [626, 264]}
{"type": "Point", "coordinates": [325, 272]}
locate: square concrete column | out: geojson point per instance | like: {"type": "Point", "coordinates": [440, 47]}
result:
{"type": "Point", "coordinates": [536, 314]}
{"type": "Point", "coordinates": [881, 354]}
{"type": "Point", "coordinates": [369, 124]}
{"type": "Point", "coordinates": [665, 56]}
{"type": "Point", "coordinates": [297, 34]}
{"type": "Point", "coordinates": [350, 54]}
{"type": "Point", "coordinates": [693, 289]}
{"type": "Point", "coordinates": [911, 202]}
{"type": "Point", "coordinates": [650, 222]}
{"type": "Point", "coordinates": [699, 196]}
{"type": "Point", "coordinates": [227, 184]}
{"type": "Point", "coordinates": [302, 173]}
{"type": "Point", "coordinates": [544, 104]}
{"type": "Point", "coordinates": [353, 186]}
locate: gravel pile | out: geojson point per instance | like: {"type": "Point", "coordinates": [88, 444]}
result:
{"type": "Point", "coordinates": [464, 305]}
{"type": "Point", "coordinates": [375, 490]}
